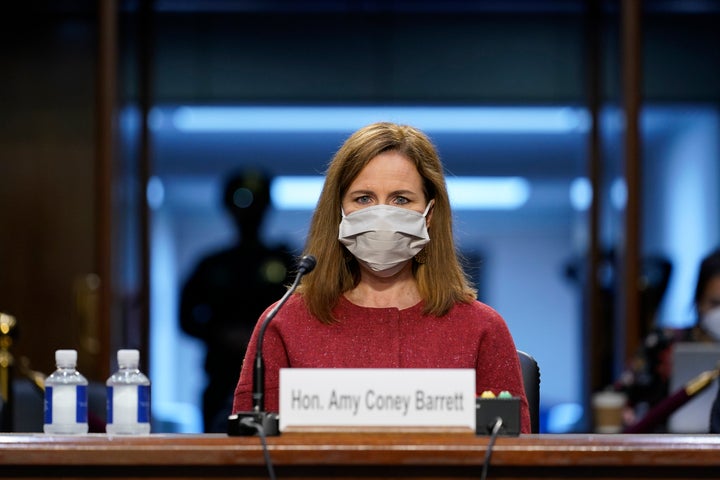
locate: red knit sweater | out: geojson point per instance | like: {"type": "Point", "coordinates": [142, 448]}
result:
{"type": "Point", "coordinates": [469, 336]}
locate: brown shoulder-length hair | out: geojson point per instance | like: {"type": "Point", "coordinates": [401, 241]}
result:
{"type": "Point", "coordinates": [441, 279]}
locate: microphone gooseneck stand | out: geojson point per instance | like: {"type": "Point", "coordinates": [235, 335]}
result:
{"type": "Point", "coordinates": [258, 420]}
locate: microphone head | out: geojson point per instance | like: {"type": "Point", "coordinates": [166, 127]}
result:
{"type": "Point", "coordinates": [306, 264]}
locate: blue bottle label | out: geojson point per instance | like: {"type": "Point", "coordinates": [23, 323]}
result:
{"type": "Point", "coordinates": [109, 405]}
{"type": "Point", "coordinates": [135, 403]}
{"type": "Point", "coordinates": [81, 411]}
{"type": "Point", "coordinates": [80, 414]}
{"type": "Point", "coordinates": [48, 405]}
{"type": "Point", "coordinates": [143, 403]}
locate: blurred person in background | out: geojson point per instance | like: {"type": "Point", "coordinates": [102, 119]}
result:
{"type": "Point", "coordinates": [229, 289]}
{"type": "Point", "coordinates": [646, 381]}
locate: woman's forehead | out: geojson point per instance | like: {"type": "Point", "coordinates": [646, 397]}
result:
{"type": "Point", "coordinates": [388, 170]}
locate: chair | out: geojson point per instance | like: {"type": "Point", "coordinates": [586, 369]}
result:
{"type": "Point", "coordinates": [531, 382]}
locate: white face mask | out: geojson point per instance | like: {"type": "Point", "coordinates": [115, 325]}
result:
{"type": "Point", "coordinates": [710, 322]}
{"type": "Point", "coordinates": [384, 237]}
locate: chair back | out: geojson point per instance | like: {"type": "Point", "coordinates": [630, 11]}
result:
{"type": "Point", "coordinates": [531, 381]}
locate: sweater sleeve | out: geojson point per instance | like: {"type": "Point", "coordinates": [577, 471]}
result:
{"type": "Point", "coordinates": [242, 399]}
{"type": "Point", "coordinates": [498, 366]}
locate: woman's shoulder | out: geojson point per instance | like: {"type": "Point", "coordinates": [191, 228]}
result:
{"type": "Point", "coordinates": [294, 305]}
{"type": "Point", "coordinates": [487, 323]}
{"type": "Point", "coordinates": [293, 311]}
{"type": "Point", "coordinates": [477, 309]}
{"type": "Point", "coordinates": [476, 313]}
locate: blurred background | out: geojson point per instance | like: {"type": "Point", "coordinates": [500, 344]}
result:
{"type": "Point", "coordinates": [581, 141]}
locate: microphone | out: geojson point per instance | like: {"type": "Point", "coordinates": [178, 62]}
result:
{"type": "Point", "coordinates": [248, 423]}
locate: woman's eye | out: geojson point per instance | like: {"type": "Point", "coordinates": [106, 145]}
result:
{"type": "Point", "coordinates": [401, 200]}
{"type": "Point", "coordinates": [365, 199]}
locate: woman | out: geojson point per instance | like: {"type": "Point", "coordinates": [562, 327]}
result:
{"type": "Point", "coordinates": [707, 300]}
{"type": "Point", "coordinates": [388, 290]}
{"type": "Point", "coordinates": [648, 382]}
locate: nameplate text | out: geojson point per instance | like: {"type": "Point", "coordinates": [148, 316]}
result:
{"type": "Point", "coordinates": [336, 397]}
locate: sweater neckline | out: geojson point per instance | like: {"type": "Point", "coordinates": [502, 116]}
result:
{"type": "Point", "coordinates": [344, 300]}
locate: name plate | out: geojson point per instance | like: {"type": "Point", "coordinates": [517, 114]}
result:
{"type": "Point", "coordinates": [384, 397]}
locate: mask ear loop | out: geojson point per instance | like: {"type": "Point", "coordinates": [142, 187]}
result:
{"type": "Point", "coordinates": [429, 206]}
{"type": "Point", "coordinates": [347, 255]}
{"type": "Point", "coordinates": [421, 256]}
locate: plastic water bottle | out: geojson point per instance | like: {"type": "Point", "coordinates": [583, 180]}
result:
{"type": "Point", "coordinates": [128, 397]}
{"type": "Point", "coordinates": [66, 401]}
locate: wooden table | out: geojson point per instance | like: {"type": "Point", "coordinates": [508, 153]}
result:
{"type": "Point", "coordinates": [361, 455]}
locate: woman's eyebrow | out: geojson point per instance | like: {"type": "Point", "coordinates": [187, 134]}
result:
{"type": "Point", "coordinates": [361, 192]}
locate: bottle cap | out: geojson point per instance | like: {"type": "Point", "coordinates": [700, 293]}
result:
{"type": "Point", "coordinates": [128, 358]}
{"type": "Point", "coordinates": [65, 358]}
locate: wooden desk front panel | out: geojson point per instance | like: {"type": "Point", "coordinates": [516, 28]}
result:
{"type": "Point", "coordinates": [361, 455]}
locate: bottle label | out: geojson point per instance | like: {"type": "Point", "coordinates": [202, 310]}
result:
{"type": "Point", "coordinates": [81, 412]}
{"type": "Point", "coordinates": [128, 404]}
{"type": "Point", "coordinates": [48, 405]}
{"type": "Point", "coordinates": [65, 404]}
{"type": "Point", "coordinates": [143, 404]}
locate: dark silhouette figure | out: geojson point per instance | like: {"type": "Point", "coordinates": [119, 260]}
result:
{"type": "Point", "coordinates": [228, 291]}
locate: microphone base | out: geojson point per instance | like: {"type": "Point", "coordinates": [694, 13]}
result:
{"type": "Point", "coordinates": [240, 424]}
{"type": "Point", "coordinates": [488, 410]}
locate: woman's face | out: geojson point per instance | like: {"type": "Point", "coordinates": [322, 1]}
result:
{"type": "Point", "coordinates": [388, 179]}
{"type": "Point", "coordinates": [710, 297]}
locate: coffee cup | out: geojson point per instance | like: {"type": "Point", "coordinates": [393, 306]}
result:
{"type": "Point", "coordinates": [608, 407]}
